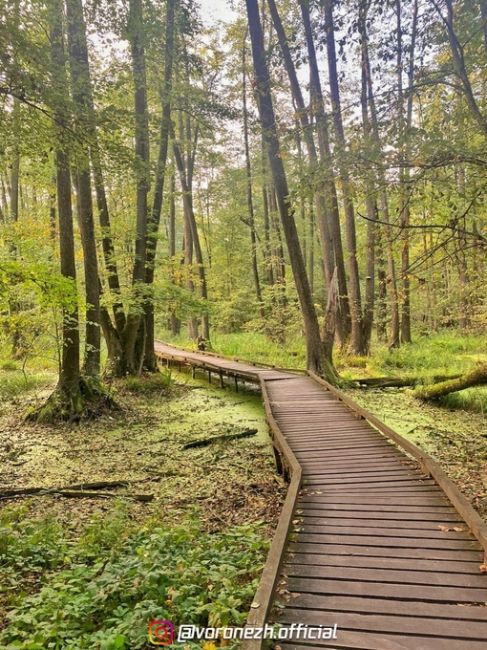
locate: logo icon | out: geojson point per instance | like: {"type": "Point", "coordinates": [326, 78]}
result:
{"type": "Point", "coordinates": [161, 632]}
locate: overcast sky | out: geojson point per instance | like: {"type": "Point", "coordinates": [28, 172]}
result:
{"type": "Point", "coordinates": [215, 10]}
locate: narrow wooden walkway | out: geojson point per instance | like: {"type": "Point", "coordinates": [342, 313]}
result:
{"type": "Point", "coordinates": [375, 547]}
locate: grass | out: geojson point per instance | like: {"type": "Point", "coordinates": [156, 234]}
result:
{"type": "Point", "coordinates": [250, 346]}
{"type": "Point", "coordinates": [13, 383]}
{"type": "Point", "coordinates": [447, 352]}
{"type": "Point", "coordinates": [160, 381]}
{"type": "Point", "coordinates": [471, 399]}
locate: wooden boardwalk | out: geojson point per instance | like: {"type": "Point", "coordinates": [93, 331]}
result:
{"type": "Point", "coordinates": [375, 545]}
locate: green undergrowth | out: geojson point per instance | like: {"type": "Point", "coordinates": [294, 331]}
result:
{"type": "Point", "coordinates": [157, 382]}
{"type": "Point", "coordinates": [442, 353]}
{"type": "Point", "coordinates": [447, 352]}
{"type": "Point", "coordinates": [251, 346]}
{"type": "Point", "coordinates": [14, 384]}
{"type": "Point", "coordinates": [471, 399]}
{"type": "Point", "coordinates": [91, 572]}
{"type": "Point", "coordinates": [100, 591]}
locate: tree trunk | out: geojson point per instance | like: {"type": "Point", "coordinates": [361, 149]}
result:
{"type": "Point", "coordinates": [383, 204]}
{"type": "Point", "coordinates": [133, 335]}
{"type": "Point", "coordinates": [80, 83]}
{"type": "Point", "coordinates": [69, 378]}
{"type": "Point", "coordinates": [382, 286]}
{"type": "Point", "coordinates": [188, 208]}
{"type": "Point", "coordinates": [268, 264]}
{"type": "Point", "coordinates": [174, 324]}
{"type": "Point", "coordinates": [357, 338]}
{"type": "Point", "coordinates": [459, 66]}
{"type": "Point", "coordinates": [476, 377]}
{"type": "Point", "coordinates": [315, 353]}
{"type": "Point", "coordinates": [343, 322]}
{"type": "Point", "coordinates": [248, 169]}
{"type": "Point", "coordinates": [316, 183]}
{"type": "Point", "coordinates": [370, 202]}
{"type": "Point", "coordinates": [404, 179]}
{"type": "Point", "coordinates": [150, 360]}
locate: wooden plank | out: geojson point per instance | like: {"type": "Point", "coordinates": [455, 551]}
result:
{"type": "Point", "coordinates": [353, 640]}
{"type": "Point", "coordinates": [346, 486]}
{"type": "Point", "coordinates": [426, 627]}
{"type": "Point", "coordinates": [411, 608]}
{"type": "Point", "coordinates": [474, 521]}
{"type": "Point", "coordinates": [356, 465]}
{"type": "Point", "coordinates": [396, 576]}
{"type": "Point", "coordinates": [367, 517]}
{"type": "Point", "coordinates": [353, 521]}
{"type": "Point", "coordinates": [361, 531]}
{"type": "Point", "coordinates": [352, 500]}
{"type": "Point", "coordinates": [405, 564]}
{"type": "Point", "coordinates": [378, 540]}
{"type": "Point", "coordinates": [392, 591]}
{"type": "Point", "coordinates": [382, 479]}
{"type": "Point", "coordinates": [323, 502]}
{"type": "Point", "coordinates": [386, 551]}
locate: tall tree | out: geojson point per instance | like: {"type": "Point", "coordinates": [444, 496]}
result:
{"type": "Point", "coordinates": [315, 353]}
{"type": "Point", "coordinates": [357, 338]}
{"type": "Point", "coordinates": [343, 321]}
{"type": "Point", "coordinates": [383, 201]}
{"type": "Point", "coordinates": [248, 172]}
{"type": "Point", "coordinates": [81, 89]}
{"type": "Point", "coordinates": [405, 123]}
{"type": "Point", "coordinates": [68, 389]}
{"type": "Point", "coordinates": [150, 361]}
{"type": "Point", "coordinates": [370, 183]}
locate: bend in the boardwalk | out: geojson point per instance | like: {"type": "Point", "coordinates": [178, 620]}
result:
{"type": "Point", "coordinates": [376, 546]}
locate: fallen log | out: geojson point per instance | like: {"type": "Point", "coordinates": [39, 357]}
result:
{"type": "Point", "coordinates": [475, 377]}
{"type": "Point", "coordinates": [228, 436]}
{"type": "Point", "coordinates": [99, 485]}
{"type": "Point", "coordinates": [80, 494]}
{"type": "Point", "coordinates": [399, 382]}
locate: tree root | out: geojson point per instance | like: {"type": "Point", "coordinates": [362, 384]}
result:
{"type": "Point", "coordinates": [86, 400]}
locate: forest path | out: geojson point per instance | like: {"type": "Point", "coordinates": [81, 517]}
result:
{"type": "Point", "coordinates": [375, 546]}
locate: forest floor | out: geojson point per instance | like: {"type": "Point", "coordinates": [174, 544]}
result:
{"type": "Point", "coordinates": [193, 554]}
{"type": "Point", "coordinates": [89, 573]}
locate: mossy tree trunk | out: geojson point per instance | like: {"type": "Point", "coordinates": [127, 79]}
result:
{"type": "Point", "coordinates": [476, 377]}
